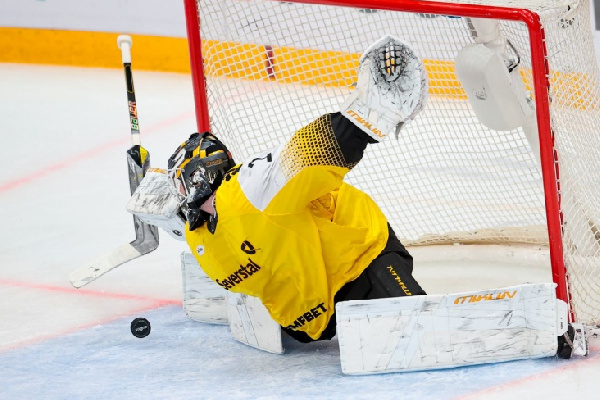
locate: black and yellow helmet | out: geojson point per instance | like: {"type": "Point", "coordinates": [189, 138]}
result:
{"type": "Point", "coordinates": [196, 170]}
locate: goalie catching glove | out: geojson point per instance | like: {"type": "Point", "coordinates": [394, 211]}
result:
{"type": "Point", "coordinates": [391, 88]}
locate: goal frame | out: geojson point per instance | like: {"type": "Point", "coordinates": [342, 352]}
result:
{"type": "Point", "coordinates": [540, 76]}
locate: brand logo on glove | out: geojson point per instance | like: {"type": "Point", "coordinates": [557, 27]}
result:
{"type": "Point", "coordinates": [365, 123]}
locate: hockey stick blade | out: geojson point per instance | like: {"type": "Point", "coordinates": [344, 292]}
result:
{"type": "Point", "coordinates": [97, 267]}
{"type": "Point", "coordinates": [146, 236]}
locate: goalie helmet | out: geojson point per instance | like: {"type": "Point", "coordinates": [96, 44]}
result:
{"type": "Point", "coordinates": [196, 170]}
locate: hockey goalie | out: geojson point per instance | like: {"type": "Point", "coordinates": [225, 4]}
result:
{"type": "Point", "coordinates": [281, 243]}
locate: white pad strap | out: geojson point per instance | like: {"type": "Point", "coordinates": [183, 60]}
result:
{"type": "Point", "coordinates": [441, 331]}
{"type": "Point", "coordinates": [203, 299]}
{"type": "Point", "coordinates": [251, 324]}
{"type": "Point", "coordinates": [487, 31]}
{"type": "Point", "coordinates": [155, 203]}
{"type": "Point", "coordinates": [580, 342]}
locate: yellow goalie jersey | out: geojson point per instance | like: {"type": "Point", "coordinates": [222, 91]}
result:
{"type": "Point", "coordinates": [290, 232]}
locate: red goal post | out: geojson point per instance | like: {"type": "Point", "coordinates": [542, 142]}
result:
{"type": "Point", "coordinates": [567, 255]}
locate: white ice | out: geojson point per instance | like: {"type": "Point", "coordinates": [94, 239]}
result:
{"type": "Point", "coordinates": [63, 189]}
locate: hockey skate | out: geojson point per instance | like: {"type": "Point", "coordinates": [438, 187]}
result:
{"type": "Point", "coordinates": [391, 88]}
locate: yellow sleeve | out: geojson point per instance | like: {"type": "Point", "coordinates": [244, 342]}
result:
{"type": "Point", "coordinates": [286, 179]}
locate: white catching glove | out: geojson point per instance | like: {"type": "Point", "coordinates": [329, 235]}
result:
{"type": "Point", "coordinates": [156, 203]}
{"type": "Point", "coordinates": [391, 88]}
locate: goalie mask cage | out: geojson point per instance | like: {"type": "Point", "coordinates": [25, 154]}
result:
{"type": "Point", "coordinates": [263, 69]}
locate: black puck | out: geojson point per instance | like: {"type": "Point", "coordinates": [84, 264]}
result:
{"type": "Point", "coordinates": [140, 327]}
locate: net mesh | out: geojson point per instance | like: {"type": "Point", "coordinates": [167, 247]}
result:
{"type": "Point", "coordinates": [272, 67]}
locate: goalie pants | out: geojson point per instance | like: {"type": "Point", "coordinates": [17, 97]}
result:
{"type": "Point", "coordinates": [389, 275]}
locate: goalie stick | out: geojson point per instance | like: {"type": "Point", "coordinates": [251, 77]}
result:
{"type": "Point", "coordinates": [138, 162]}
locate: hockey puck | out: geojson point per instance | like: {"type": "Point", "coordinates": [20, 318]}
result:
{"type": "Point", "coordinates": [140, 327]}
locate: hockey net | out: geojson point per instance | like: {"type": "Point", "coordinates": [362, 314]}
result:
{"type": "Point", "coordinates": [263, 69]}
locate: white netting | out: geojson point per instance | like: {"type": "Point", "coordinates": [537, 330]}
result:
{"type": "Point", "coordinates": [272, 67]}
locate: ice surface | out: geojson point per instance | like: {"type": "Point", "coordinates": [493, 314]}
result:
{"type": "Point", "coordinates": [63, 190]}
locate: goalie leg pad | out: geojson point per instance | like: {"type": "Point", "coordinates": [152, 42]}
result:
{"type": "Point", "coordinates": [248, 319]}
{"type": "Point", "coordinates": [251, 324]}
{"type": "Point", "coordinates": [493, 83]}
{"type": "Point", "coordinates": [498, 97]}
{"type": "Point", "coordinates": [391, 88]}
{"type": "Point", "coordinates": [203, 299]}
{"type": "Point", "coordinates": [442, 331]}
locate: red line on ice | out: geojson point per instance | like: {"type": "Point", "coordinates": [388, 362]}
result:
{"type": "Point", "coordinates": [152, 303]}
{"type": "Point", "coordinates": [44, 171]}
{"type": "Point", "coordinates": [32, 341]}
{"type": "Point", "coordinates": [592, 358]}
{"type": "Point", "coordinates": [85, 292]}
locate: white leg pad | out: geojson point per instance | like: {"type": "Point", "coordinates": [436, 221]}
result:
{"type": "Point", "coordinates": [203, 299]}
{"type": "Point", "coordinates": [251, 324]}
{"type": "Point", "coordinates": [498, 97]}
{"type": "Point", "coordinates": [442, 331]}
